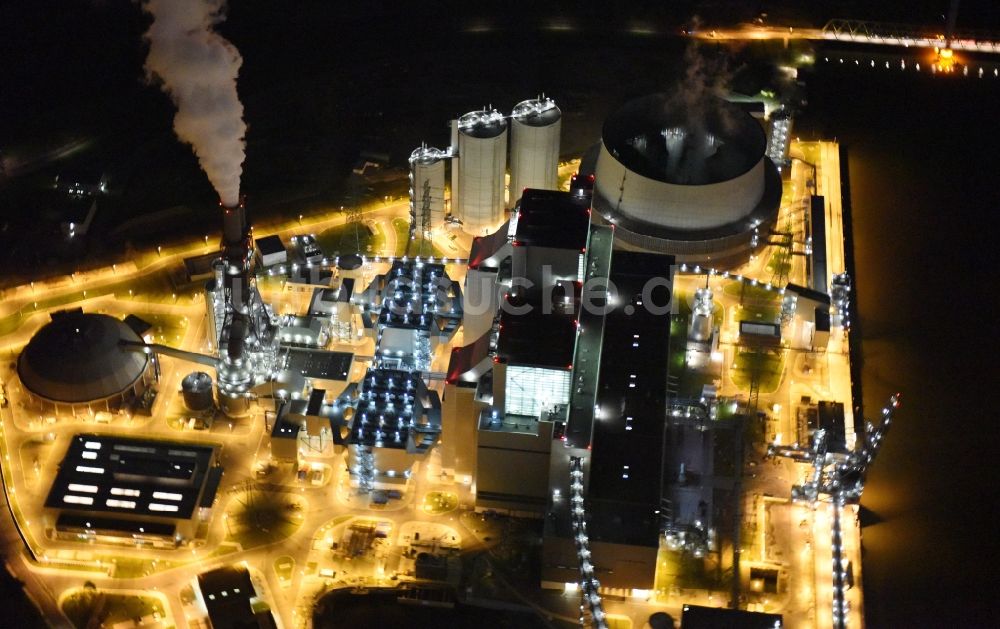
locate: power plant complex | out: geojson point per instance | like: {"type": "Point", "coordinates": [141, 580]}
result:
{"type": "Point", "coordinates": [539, 374]}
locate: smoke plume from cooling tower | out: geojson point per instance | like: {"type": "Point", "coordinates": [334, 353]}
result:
{"type": "Point", "coordinates": [198, 69]}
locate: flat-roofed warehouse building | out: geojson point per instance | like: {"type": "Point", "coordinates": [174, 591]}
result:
{"type": "Point", "coordinates": [136, 491]}
{"type": "Point", "coordinates": [231, 600]}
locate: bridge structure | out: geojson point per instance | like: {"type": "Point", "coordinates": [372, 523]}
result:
{"type": "Point", "coordinates": [862, 32]}
{"type": "Point", "coordinates": [907, 35]}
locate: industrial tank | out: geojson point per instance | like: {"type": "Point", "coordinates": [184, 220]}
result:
{"type": "Point", "coordinates": [234, 405]}
{"type": "Point", "coordinates": [482, 153]}
{"type": "Point", "coordinates": [534, 146]}
{"type": "Point", "coordinates": [196, 388]}
{"type": "Point", "coordinates": [427, 188]}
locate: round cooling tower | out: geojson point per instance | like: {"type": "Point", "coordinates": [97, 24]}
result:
{"type": "Point", "coordinates": [482, 154]}
{"type": "Point", "coordinates": [77, 358]}
{"type": "Point", "coordinates": [688, 179]}
{"type": "Point", "coordinates": [534, 146]}
{"type": "Point", "coordinates": [427, 187]}
{"type": "Point", "coordinates": [196, 388]}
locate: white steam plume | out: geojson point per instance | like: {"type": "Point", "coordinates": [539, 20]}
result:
{"type": "Point", "coordinates": [198, 69]}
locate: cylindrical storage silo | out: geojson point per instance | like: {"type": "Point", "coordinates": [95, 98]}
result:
{"type": "Point", "coordinates": [534, 146]}
{"type": "Point", "coordinates": [196, 387]}
{"type": "Point", "coordinates": [482, 153]}
{"type": "Point", "coordinates": [427, 188]}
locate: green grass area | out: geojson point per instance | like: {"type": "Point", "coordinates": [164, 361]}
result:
{"type": "Point", "coordinates": [93, 608]}
{"type": "Point", "coordinates": [256, 518]}
{"type": "Point", "coordinates": [416, 247]}
{"type": "Point", "coordinates": [350, 238]}
{"type": "Point", "coordinates": [678, 345]}
{"type": "Point", "coordinates": [167, 328]}
{"type": "Point", "coordinates": [438, 502]}
{"type": "Point", "coordinates": [402, 229]}
{"type": "Point", "coordinates": [129, 568]}
{"type": "Point", "coordinates": [759, 304]}
{"type": "Point", "coordinates": [155, 286]}
{"type": "Point", "coordinates": [764, 365]}
{"type": "Point", "coordinates": [681, 570]}
{"type": "Point", "coordinates": [780, 263]}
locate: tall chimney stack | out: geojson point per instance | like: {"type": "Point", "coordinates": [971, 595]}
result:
{"type": "Point", "coordinates": [237, 252]}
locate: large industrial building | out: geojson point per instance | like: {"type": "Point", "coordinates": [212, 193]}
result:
{"type": "Point", "coordinates": [133, 491]}
{"type": "Point", "coordinates": [547, 385]}
{"type": "Point", "coordinates": [77, 363]}
{"type": "Point", "coordinates": [693, 182]}
{"type": "Point", "coordinates": [231, 600]}
{"type": "Point", "coordinates": [395, 419]}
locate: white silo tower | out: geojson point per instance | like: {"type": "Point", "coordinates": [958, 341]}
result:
{"type": "Point", "coordinates": [426, 189]}
{"type": "Point", "coordinates": [482, 164]}
{"type": "Point", "coordinates": [534, 146]}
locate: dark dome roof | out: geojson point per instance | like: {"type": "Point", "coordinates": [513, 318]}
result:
{"type": "Point", "coordinates": [76, 358]}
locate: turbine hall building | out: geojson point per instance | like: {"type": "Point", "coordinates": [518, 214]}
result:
{"type": "Point", "coordinates": [572, 369]}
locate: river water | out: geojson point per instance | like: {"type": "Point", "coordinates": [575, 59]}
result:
{"type": "Point", "coordinates": [923, 179]}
